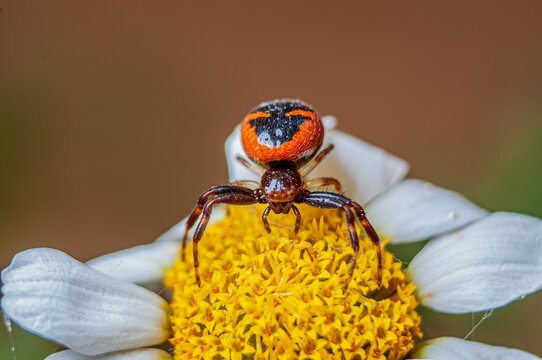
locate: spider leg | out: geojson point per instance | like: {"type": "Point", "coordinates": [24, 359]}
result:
{"type": "Point", "coordinates": [370, 231]}
{"type": "Point", "coordinates": [213, 191]}
{"type": "Point", "coordinates": [264, 219]}
{"type": "Point", "coordinates": [258, 170]}
{"type": "Point", "coordinates": [234, 198]}
{"type": "Point", "coordinates": [326, 200]}
{"type": "Point", "coordinates": [297, 218]}
{"type": "Point", "coordinates": [318, 183]}
{"type": "Point", "coordinates": [308, 167]}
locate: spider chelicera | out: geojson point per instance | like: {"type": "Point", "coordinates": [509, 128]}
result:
{"type": "Point", "coordinates": [282, 138]}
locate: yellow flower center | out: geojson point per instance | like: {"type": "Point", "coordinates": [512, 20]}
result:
{"type": "Point", "coordinates": [280, 295]}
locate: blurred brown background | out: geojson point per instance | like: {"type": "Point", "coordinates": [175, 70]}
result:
{"type": "Point", "coordinates": [113, 115]}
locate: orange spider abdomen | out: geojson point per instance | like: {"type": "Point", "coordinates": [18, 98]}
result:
{"type": "Point", "coordinates": [281, 130]}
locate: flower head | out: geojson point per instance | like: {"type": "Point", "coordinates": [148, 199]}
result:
{"type": "Point", "coordinates": [278, 295]}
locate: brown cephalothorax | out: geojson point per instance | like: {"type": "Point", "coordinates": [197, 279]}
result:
{"type": "Point", "coordinates": [282, 139]}
{"type": "Point", "coordinates": [281, 183]}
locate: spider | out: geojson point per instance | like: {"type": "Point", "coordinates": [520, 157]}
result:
{"type": "Point", "coordinates": [282, 138]}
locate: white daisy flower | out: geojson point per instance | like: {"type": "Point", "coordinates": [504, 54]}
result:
{"type": "Point", "coordinates": [475, 261]}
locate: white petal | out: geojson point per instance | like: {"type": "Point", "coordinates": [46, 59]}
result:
{"type": "Point", "coordinates": [363, 169]}
{"type": "Point", "coordinates": [143, 264]}
{"type": "Point", "coordinates": [329, 122]}
{"type": "Point", "coordinates": [448, 348]}
{"type": "Point", "coordinates": [234, 148]}
{"type": "Point", "coordinates": [141, 354]}
{"type": "Point", "coordinates": [485, 265]}
{"type": "Point", "coordinates": [146, 264]}
{"type": "Point", "coordinates": [415, 210]}
{"type": "Point", "coordinates": [51, 294]}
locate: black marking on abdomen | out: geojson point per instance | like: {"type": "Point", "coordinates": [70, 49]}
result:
{"type": "Point", "coordinates": [278, 129]}
{"type": "Point", "coordinates": [275, 131]}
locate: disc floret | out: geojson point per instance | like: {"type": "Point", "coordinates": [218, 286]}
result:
{"type": "Point", "coordinates": [280, 295]}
